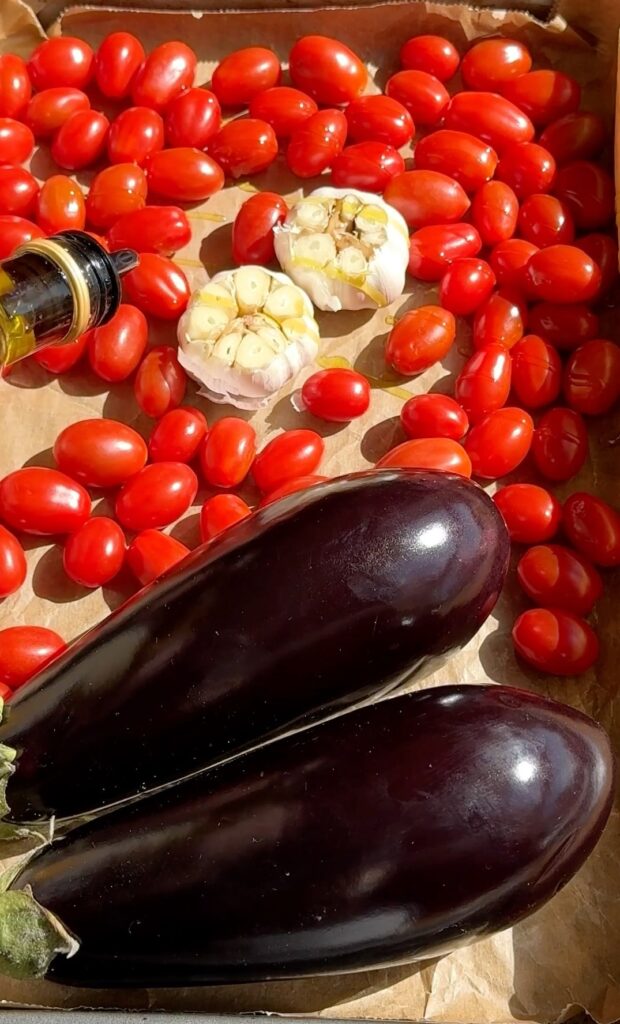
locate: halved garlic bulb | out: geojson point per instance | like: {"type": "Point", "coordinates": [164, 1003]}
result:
{"type": "Point", "coordinates": [245, 334]}
{"type": "Point", "coordinates": [346, 249]}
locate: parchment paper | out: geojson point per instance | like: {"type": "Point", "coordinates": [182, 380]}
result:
{"type": "Point", "coordinates": [566, 956]}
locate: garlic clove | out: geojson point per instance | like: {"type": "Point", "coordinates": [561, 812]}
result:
{"type": "Point", "coordinates": [350, 206]}
{"type": "Point", "coordinates": [317, 249]}
{"type": "Point", "coordinates": [300, 329]}
{"type": "Point", "coordinates": [352, 262]}
{"type": "Point", "coordinates": [207, 322]}
{"type": "Point", "coordinates": [251, 288]}
{"type": "Point", "coordinates": [370, 218]}
{"type": "Point", "coordinates": [255, 352]}
{"type": "Point", "coordinates": [286, 301]}
{"type": "Point", "coordinates": [311, 214]}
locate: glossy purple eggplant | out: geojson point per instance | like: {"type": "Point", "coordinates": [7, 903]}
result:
{"type": "Point", "coordinates": [323, 599]}
{"type": "Point", "coordinates": [390, 834]}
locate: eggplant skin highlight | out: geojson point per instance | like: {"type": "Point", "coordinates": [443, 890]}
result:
{"type": "Point", "coordinates": [316, 603]}
{"type": "Point", "coordinates": [390, 834]}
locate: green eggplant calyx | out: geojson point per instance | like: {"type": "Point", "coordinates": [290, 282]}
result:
{"type": "Point", "coordinates": [30, 936]}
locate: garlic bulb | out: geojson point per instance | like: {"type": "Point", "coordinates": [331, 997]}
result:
{"type": "Point", "coordinates": [346, 249]}
{"type": "Point", "coordinates": [245, 334]}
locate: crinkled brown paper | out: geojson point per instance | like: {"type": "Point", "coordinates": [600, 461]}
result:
{"type": "Point", "coordinates": [567, 955]}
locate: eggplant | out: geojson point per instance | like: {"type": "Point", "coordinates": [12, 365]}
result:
{"type": "Point", "coordinates": [393, 833]}
{"type": "Point", "coordinates": [316, 603]}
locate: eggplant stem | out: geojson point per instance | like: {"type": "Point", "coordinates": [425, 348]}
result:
{"type": "Point", "coordinates": [30, 936]}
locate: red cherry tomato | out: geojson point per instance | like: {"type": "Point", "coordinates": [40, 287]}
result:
{"type": "Point", "coordinates": [100, 453]}
{"type": "Point", "coordinates": [316, 143]}
{"type": "Point", "coordinates": [531, 513]}
{"type": "Point", "coordinates": [545, 220]}
{"type": "Point", "coordinates": [16, 141]}
{"type": "Point", "coordinates": [167, 71]}
{"type": "Point", "coordinates": [293, 454]}
{"type": "Point", "coordinates": [490, 117]}
{"type": "Point", "coordinates": [499, 443]}
{"type": "Point", "coordinates": [228, 452]}
{"type": "Point", "coordinates": [369, 166]}
{"type": "Point", "coordinates": [160, 229]}
{"type": "Point", "coordinates": [509, 260]}
{"type": "Point", "coordinates": [459, 155]}
{"type": "Point", "coordinates": [156, 496]}
{"type": "Point", "coordinates": [160, 382]}
{"type": "Point", "coordinates": [434, 248]}
{"type": "Point", "coordinates": [43, 501]}
{"type": "Point", "coordinates": [562, 273]}
{"type": "Point", "coordinates": [116, 62]}
{"type": "Point", "coordinates": [152, 553]}
{"type": "Point", "coordinates": [12, 563]}
{"type": "Point", "coordinates": [134, 135]}
{"type": "Point", "coordinates": [593, 527]}
{"type": "Point", "coordinates": [420, 338]}
{"type": "Point", "coordinates": [60, 358]}
{"type": "Point", "coordinates": [81, 140]}
{"type": "Point", "coordinates": [544, 95]}
{"type": "Point", "coordinates": [437, 453]}
{"type": "Point", "coordinates": [192, 119]}
{"type": "Point", "coordinates": [18, 191]}
{"type": "Point", "coordinates": [555, 641]}
{"type": "Point", "coordinates": [555, 577]}
{"type": "Point", "coordinates": [177, 436]}
{"type": "Point", "coordinates": [494, 212]}
{"type": "Point", "coordinates": [327, 70]}
{"type": "Point", "coordinates": [60, 205]}
{"type": "Point", "coordinates": [560, 444]}
{"type": "Point", "coordinates": [116, 348]}
{"type": "Point", "coordinates": [284, 108]}
{"type": "Point", "coordinates": [425, 198]}
{"type": "Point", "coordinates": [300, 483]}
{"type": "Point", "coordinates": [221, 512]}
{"type": "Point", "coordinates": [184, 174]}
{"type": "Point", "coordinates": [48, 110]}
{"type": "Point", "coordinates": [336, 395]}
{"type": "Point", "coordinates": [603, 249]}
{"type": "Point", "coordinates": [15, 231]}
{"type": "Point", "coordinates": [243, 147]}
{"type": "Point", "coordinates": [434, 415]}
{"type": "Point", "coordinates": [466, 284]}
{"type": "Point", "coordinates": [26, 650]}
{"type": "Point", "coordinates": [500, 320]}
{"type": "Point", "coordinates": [589, 193]}
{"type": "Point", "coordinates": [536, 372]}
{"type": "Point", "coordinates": [157, 286]}
{"type": "Point", "coordinates": [483, 385]}
{"type": "Point", "coordinates": [252, 233]}
{"type": "Point", "coordinates": [379, 119]}
{"type": "Point", "coordinates": [566, 327]}
{"type": "Point", "coordinates": [433, 54]}
{"type": "Point", "coordinates": [15, 87]}
{"type": "Point", "coordinates": [63, 60]}
{"type": "Point", "coordinates": [592, 377]}
{"type": "Point", "coordinates": [243, 74]}
{"type": "Point", "coordinates": [421, 94]}
{"type": "Point", "coordinates": [117, 190]}
{"type": "Point", "coordinates": [95, 553]}
{"type": "Point", "coordinates": [489, 64]}
{"type": "Point", "coordinates": [578, 136]}
{"type": "Point", "coordinates": [527, 168]}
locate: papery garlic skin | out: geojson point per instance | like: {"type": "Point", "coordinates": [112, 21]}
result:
{"type": "Point", "coordinates": [245, 334]}
{"type": "Point", "coordinates": [347, 249]}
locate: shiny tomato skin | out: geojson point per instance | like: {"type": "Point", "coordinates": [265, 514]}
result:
{"type": "Point", "coordinates": [245, 146]}
{"type": "Point", "coordinates": [26, 650]}
{"type": "Point", "coordinates": [369, 166]}
{"type": "Point", "coordinates": [290, 455]}
{"type": "Point", "coordinates": [489, 64]}
{"type": "Point", "coordinates": [379, 119]}
{"type": "Point", "coordinates": [315, 144]}
{"type": "Point", "coordinates": [500, 320]}
{"type": "Point", "coordinates": [100, 452]}
{"type": "Point", "coordinates": [227, 452]}
{"type": "Point", "coordinates": [159, 229]}
{"type": "Point", "coordinates": [336, 395]}
{"type": "Point", "coordinates": [545, 220]}
{"type": "Point", "coordinates": [494, 211]}
{"type": "Point", "coordinates": [483, 385]}
{"type": "Point", "coordinates": [167, 71]}
{"type": "Point", "coordinates": [284, 108]}
{"type": "Point", "coordinates": [12, 563]}
{"type": "Point", "coordinates": [60, 358]}
{"type": "Point", "coordinates": [466, 284]}
{"type": "Point", "coordinates": [134, 135]}
{"type": "Point", "coordinates": [432, 54]}
{"type": "Point", "coordinates": [156, 496]}
{"type": "Point", "coordinates": [60, 205]}
{"type": "Point", "coordinates": [81, 140]}
{"type": "Point", "coordinates": [553, 576]}
{"type": "Point", "coordinates": [157, 286]}
{"type": "Point", "coordinates": [47, 111]}
{"type": "Point", "coordinates": [592, 377]}
{"type": "Point", "coordinates": [528, 168]}
{"type": "Point", "coordinates": [593, 527]}
{"type": "Point", "coordinates": [18, 191]}
{"type": "Point", "coordinates": [434, 415]}
{"type": "Point", "coordinates": [300, 483]}
{"type": "Point", "coordinates": [565, 326]}
{"type": "Point", "coordinates": [116, 348]}
{"type": "Point", "coordinates": [16, 231]}
{"type": "Point", "coordinates": [16, 141]}
{"type": "Point", "coordinates": [43, 501]}
{"type": "Point", "coordinates": [423, 95]}
{"type": "Point", "coordinates": [531, 513]}
{"type": "Point", "coordinates": [603, 249]}
{"type": "Point", "coordinates": [252, 232]}
{"type": "Point", "coordinates": [177, 436]}
{"type": "Point", "coordinates": [115, 191]}
{"type": "Point", "coordinates": [192, 119]}
{"type": "Point", "coordinates": [420, 338]}
{"type": "Point", "coordinates": [578, 136]}
{"type": "Point", "coordinates": [221, 512]}
{"type": "Point", "coordinates": [425, 198]}
{"type": "Point", "coordinates": [432, 249]}
{"type": "Point", "coordinates": [15, 86]}
{"type": "Point", "coordinates": [560, 444]}
{"type": "Point", "coordinates": [184, 174]}
{"type": "Point", "coordinates": [489, 117]}
{"type": "Point", "coordinates": [509, 261]}
{"type": "Point", "coordinates": [562, 274]}
{"type": "Point", "coordinates": [555, 641]}
{"type": "Point", "coordinates": [62, 60]}
{"type": "Point", "coordinates": [327, 70]}
{"type": "Point", "coordinates": [243, 74]}
{"type": "Point", "coordinates": [160, 382]}
{"type": "Point", "coordinates": [95, 553]}
{"type": "Point", "coordinates": [499, 442]}
{"type": "Point", "coordinates": [544, 95]}
{"type": "Point", "coordinates": [536, 372]}
{"type": "Point", "coordinates": [459, 155]}
{"type": "Point", "coordinates": [589, 193]}
{"type": "Point", "coordinates": [117, 60]}
{"type": "Point", "coordinates": [441, 454]}
{"type": "Point", "coordinates": [151, 553]}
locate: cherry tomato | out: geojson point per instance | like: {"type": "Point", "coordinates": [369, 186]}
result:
{"type": "Point", "coordinates": [499, 442]}
{"type": "Point", "coordinates": [421, 94]}
{"type": "Point", "coordinates": [62, 60]}
{"type": "Point", "coordinates": [15, 231]}
{"type": "Point", "coordinates": [43, 501]}
{"type": "Point", "coordinates": [15, 87]}
{"type": "Point", "coordinates": [592, 377]}
{"type": "Point", "coordinates": [167, 71]}
{"type": "Point", "coordinates": [555, 641]}
{"type": "Point", "coordinates": [579, 136]}
{"type": "Point", "coordinates": [560, 444]}
{"type": "Point", "coordinates": [466, 284]}
{"type": "Point", "coordinates": [243, 74]}
{"type": "Point", "coordinates": [117, 60]}
{"type": "Point", "coordinates": [18, 191]}
{"type": "Point", "coordinates": [327, 70]}
{"type": "Point", "coordinates": [116, 348]}
{"type": "Point", "coordinates": [184, 174]}
{"type": "Point", "coordinates": [527, 168]}
{"type": "Point", "coordinates": [60, 358]}
{"type": "Point", "coordinates": [221, 512]}
{"type": "Point", "coordinates": [566, 327]}
{"type": "Point", "coordinates": [151, 553]}
{"type": "Point", "coordinates": [379, 119]}
{"type": "Point", "coordinates": [536, 372]}
{"type": "Point", "coordinates": [245, 146]}
{"type": "Point", "coordinates": [589, 193]}
{"type": "Point", "coordinates": [593, 527]}
{"type": "Point", "coordinates": [603, 249]}
{"type": "Point", "coordinates": [369, 166]}
{"type": "Point", "coordinates": [12, 563]}
{"type": "Point", "coordinates": [434, 248]}
{"type": "Point", "coordinates": [562, 273]}
{"type": "Point", "coordinates": [16, 141]}
{"type": "Point", "coordinates": [420, 338]}
{"type": "Point", "coordinates": [433, 54]}
{"type": "Point", "coordinates": [177, 436]}
{"type": "Point", "coordinates": [26, 650]}
{"type": "Point", "coordinates": [483, 385]}
{"type": "Point", "coordinates": [228, 452]}
{"type": "Point", "coordinates": [490, 117]}
{"type": "Point", "coordinates": [156, 496]}
{"type": "Point", "coordinates": [252, 233]}
{"type": "Point", "coordinates": [556, 577]}
{"type": "Point", "coordinates": [489, 64]}
{"type": "Point", "coordinates": [545, 220]}
{"type": "Point", "coordinates": [290, 455]}
{"type": "Point", "coordinates": [509, 261]}
{"type": "Point", "coordinates": [192, 119]}
{"type": "Point", "coordinates": [134, 135]}
{"type": "Point", "coordinates": [95, 553]}
{"type": "Point", "coordinates": [48, 110]}
{"type": "Point", "coordinates": [459, 155]}
{"type": "Point", "coordinates": [434, 415]}
{"type": "Point", "coordinates": [284, 108]}
{"type": "Point", "coordinates": [532, 515]}
{"type": "Point", "coordinates": [425, 198]}
{"type": "Point", "coordinates": [500, 320]}
{"type": "Point", "coordinates": [157, 286]}
{"type": "Point", "coordinates": [60, 205]}
{"type": "Point", "coordinates": [300, 483]}
{"type": "Point", "coordinates": [336, 395]}
{"type": "Point", "coordinates": [544, 95]}
{"type": "Point", "coordinates": [316, 143]}
{"type": "Point", "coordinates": [494, 212]}
{"type": "Point", "coordinates": [117, 190]}
{"type": "Point", "coordinates": [160, 382]}
{"type": "Point", "coordinates": [100, 453]}
{"type": "Point", "coordinates": [81, 140]}
{"type": "Point", "coordinates": [160, 229]}
{"type": "Point", "coordinates": [437, 453]}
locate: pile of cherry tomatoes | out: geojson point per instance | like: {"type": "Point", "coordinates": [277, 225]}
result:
{"type": "Point", "coordinates": [511, 216]}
